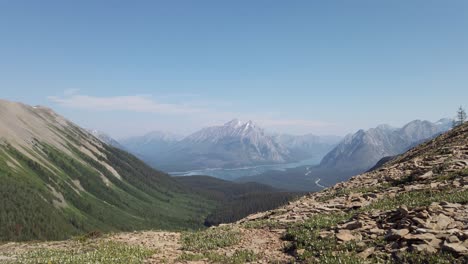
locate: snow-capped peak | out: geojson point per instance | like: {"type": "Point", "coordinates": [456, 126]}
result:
{"type": "Point", "coordinates": [249, 124]}
{"type": "Point", "coordinates": [234, 123]}
{"type": "Point", "coordinates": [247, 139]}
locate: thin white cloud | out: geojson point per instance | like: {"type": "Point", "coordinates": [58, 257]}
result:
{"type": "Point", "coordinates": [207, 113]}
{"type": "Point", "coordinates": [133, 103]}
{"type": "Point", "coordinates": [178, 95]}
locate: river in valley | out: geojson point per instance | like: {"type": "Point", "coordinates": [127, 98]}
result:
{"type": "Point", "coordinates": [232, 174]}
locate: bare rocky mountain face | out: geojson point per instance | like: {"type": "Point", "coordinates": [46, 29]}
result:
{"type": "Point", "coordinates": [362, 150]}
{"type": "Point", "coordinates": [355, 154]}
{"type": "Point", "coordinates": [230, 145]}
{"type": "Point", "coordinates": [413, 209]}
{"type": "Point", "coordinates": [233, 144]}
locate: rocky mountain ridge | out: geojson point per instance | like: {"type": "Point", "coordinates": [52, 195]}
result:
{"type": "Point", "coordinates": [363, 149]}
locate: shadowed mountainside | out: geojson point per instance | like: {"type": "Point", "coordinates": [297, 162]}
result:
{"type": "Point", "coordinates": [236, 200]}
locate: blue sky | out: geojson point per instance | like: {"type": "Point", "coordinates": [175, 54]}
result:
{"type": "Point", "coordinates": [323, 67]}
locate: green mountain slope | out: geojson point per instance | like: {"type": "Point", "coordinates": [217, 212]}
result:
{"type": "Point", "coordinates": [236, 200]}
{"type": "Point", "coordinates": [58, 180]}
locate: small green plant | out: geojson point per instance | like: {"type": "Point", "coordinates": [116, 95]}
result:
{"type": "Point", "coordinates": [242, 256]}
{"type": "Point", "coordinates": [89, 236]}
{"type": "Point", "coordinates": [336, 258]}
{"type": "Point", "coordinates": [186, 256]}
{"type": "Point", "coordinates": [209, 239]}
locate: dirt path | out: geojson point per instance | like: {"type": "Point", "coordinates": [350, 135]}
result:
{"type": "Point", "coordinates": [266, 244]}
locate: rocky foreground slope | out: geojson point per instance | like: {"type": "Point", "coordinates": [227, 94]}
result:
{"type": "Point", "coordinates": [412, 210]}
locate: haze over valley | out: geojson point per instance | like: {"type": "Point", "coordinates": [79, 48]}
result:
{"type": "Point", "coordinates": [245, 152]}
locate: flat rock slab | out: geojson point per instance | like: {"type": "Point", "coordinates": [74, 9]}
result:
{"type": "Point", "coordinates": [345, 235]}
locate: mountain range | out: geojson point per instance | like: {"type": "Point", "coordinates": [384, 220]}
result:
{"type": "Point", "coordinates": [355, 154]}
{"type": "Point", "coordinates": [363, 149]}
{"type": "Point", "coordinates": [237, 144]}
{"type": "Point", "coordinates": [234, 144]}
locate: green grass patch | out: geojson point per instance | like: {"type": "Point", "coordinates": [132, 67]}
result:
{"type": "Point", "coordinates": [239, 257]}
{"type": "Point", "coordinates": [306, 236]}
{"type": "Point", "coordinates": [440, 176]}
{"type": "Point", "coordinates": [419, 198]}
{"type": "Point", "coordinates": [345, 191]}
{"type": "Point", "coordinates": [453, 175]}
{"type": "Point", "coordinates": [105, 252]}
{"type": "Point", "coordinates": [423, 258]}
{"type": "Point", "coordinates": [210, 239]}
{"type": "Point", "coordinates": [263, 223]}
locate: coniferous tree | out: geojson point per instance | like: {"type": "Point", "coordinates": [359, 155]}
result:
{"type": "Point", "coordinates": [460, 118]}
